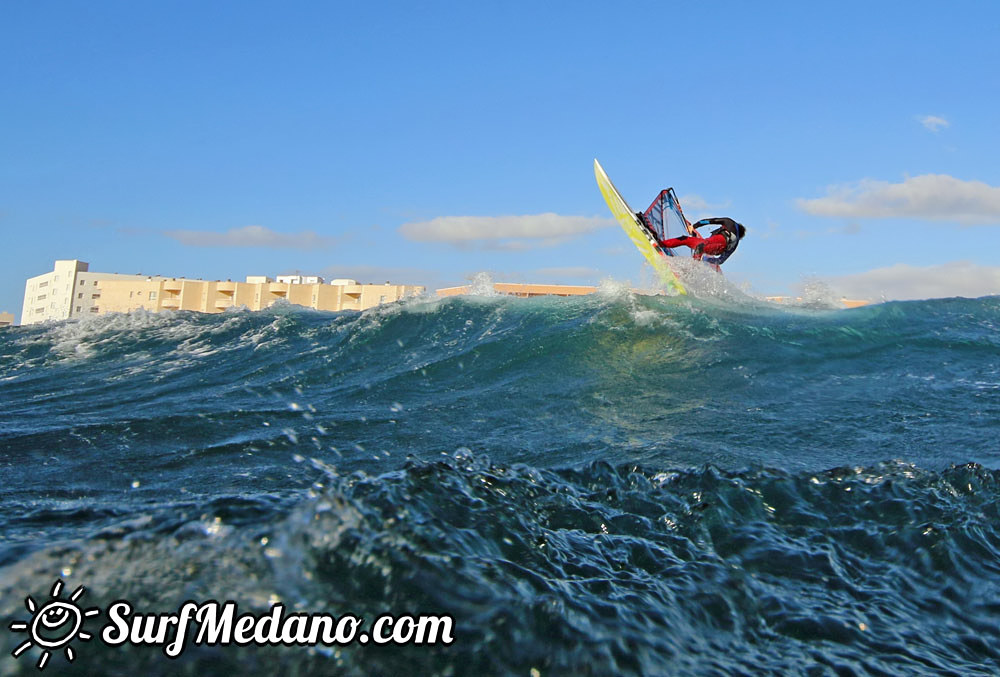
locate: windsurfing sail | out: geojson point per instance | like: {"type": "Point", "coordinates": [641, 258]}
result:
{"type": "Point", "coordinates": [665, 219]}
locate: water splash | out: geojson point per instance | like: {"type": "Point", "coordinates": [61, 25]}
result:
{"type": "Point", "coordinates": [482, 285]}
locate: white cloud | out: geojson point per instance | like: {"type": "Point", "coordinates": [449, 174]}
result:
{"type": "Point", "coordinates": [503, 232]}
{"type": "Point", "coordinates": [930, 197]}
{"type": "Point", "coordinates": [934, 122]}
{"type": "Point", "coordinates": [902, 282]}
{"type": "Point", "coordinates": [251, 236]}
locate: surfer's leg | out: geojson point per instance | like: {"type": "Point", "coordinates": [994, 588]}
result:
{"type": "Point", "coordinates": [682, 241]}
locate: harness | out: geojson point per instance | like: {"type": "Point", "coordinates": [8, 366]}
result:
{"type": "Point", "coordinates": [731, 233]}
{"type": "Point", "coordinates": [732, 239]}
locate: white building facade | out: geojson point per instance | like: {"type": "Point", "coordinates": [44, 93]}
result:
{"type": "Point", "coordinates": [70, 290]}
{"type": "Point", "coordinates": [300, 279]}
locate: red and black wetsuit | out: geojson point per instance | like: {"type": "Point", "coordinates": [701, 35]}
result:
{"type": "Point", "coordinates": [720, 245]}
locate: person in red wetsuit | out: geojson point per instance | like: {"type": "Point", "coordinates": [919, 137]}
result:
{"type": "Point", "coordinates": [719, 246]}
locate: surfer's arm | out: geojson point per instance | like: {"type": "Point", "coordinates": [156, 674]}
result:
{"type": "Point", "coordinates": [718, 221]}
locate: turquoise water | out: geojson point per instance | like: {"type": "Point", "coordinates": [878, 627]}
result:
{"type": "Point", "coordinates": [609, 484]}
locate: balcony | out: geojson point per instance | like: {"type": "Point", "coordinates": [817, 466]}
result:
{"type": "Point", "coordinates": [172, 285]}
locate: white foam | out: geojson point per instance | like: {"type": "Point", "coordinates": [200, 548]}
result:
{"type": "Point", "coordinates": [482, 285]}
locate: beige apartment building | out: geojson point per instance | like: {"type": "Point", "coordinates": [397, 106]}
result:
{"type": "Point", "coordinates": [528, 290]}
{"type": "Point", "coordinates": [6, 320]}
{"type": "Point", "coordinates": [213, 296]}
{"type": "Point", "coordinates": [848, 303]}
{"type": "Point", "coordinates": [71, 290]}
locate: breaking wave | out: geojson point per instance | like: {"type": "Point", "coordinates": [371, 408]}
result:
{"type": "Point", "coordinates": [610, 484]}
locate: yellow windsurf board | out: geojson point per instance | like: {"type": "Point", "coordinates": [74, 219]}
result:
{"type": "Point", "coordinates": [641, 237]}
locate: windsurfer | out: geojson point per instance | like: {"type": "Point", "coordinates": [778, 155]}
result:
{"type": "Point", "coordinates": [719, 246]}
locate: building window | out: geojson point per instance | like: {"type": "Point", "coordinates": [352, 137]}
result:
{"type": "Point", "coordinates": [152, 296]}
{"type": "Point", "coordinates": [43, 284]}
{"type": "Point", "coordinates": [95, 296]}
{"type": "Point", "coordinates": [39, 311]}
{"type": "Point", "coordinates": [78, 309]}
{"type": "Point", "coordinates": [95, 283]}
{"type": "Point", "coordinates": [93, 309]}
{"type": "Point", "coordinates": [80, 295]}
{"type": "Point", "coordinates": [381, 299]}
{"type": "Point", "coordinates": [130, 294]}
{"type": "Point", "coordinates": [81, 283]}
{"type": "Point", "coordinates": [139, 293]}
{"type": "Point", "coordinates": [41, 296]}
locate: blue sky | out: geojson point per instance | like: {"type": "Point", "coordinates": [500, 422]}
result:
{"type": "Point", "coordinates": [857, 141]}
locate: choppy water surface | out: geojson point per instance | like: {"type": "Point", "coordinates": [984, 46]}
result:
{"type": "Point", "coordinates": [610, 484]}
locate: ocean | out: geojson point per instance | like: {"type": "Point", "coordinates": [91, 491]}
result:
{"type": "Point", "coordinates": [611, 484]}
